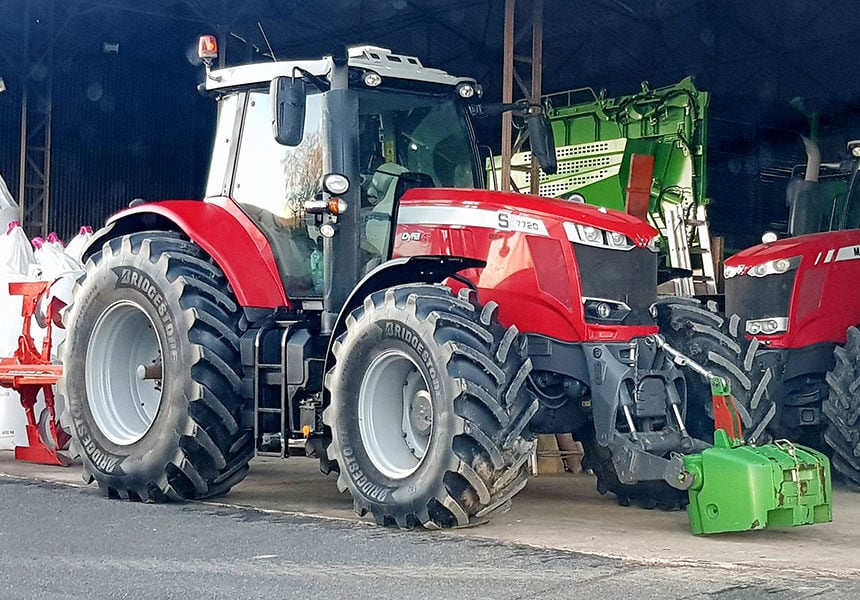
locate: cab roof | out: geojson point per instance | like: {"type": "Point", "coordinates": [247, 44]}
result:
{"type": "Point", "coordinates": [380, 60]}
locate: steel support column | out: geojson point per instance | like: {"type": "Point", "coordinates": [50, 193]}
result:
{"type": "Point", "coordinates": [34, 183]}
{"type": "Point", "coordinates": [530, 86]}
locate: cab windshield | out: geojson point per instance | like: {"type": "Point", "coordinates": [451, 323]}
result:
{"type": "Point", "coordinates": [424, 134]}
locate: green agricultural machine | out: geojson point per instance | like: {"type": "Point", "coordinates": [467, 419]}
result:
{"type": "Point", "coordinates": [643, 154]}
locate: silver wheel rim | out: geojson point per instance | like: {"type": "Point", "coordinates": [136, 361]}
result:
{"type": "Point", "coordinates": [123, 400]}
{"type": "Point", "coordinates": [395, 414]}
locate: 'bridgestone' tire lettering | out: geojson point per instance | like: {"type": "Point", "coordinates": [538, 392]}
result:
{"type": "Point", "coordinates": [474, 462]}
{"type": "Point", "coordinates": [194, 447]}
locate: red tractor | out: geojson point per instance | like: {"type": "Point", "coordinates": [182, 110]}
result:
{"type": "Point", "coordinates": [347, 284]}
{"type": "Point", "coordinates": [791, 346]}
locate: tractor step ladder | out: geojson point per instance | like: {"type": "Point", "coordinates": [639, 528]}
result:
{"type": "Point", "coordinates": [707, 276]}
{"type": "Point", "coordinates": [270, 391]}
{"type": "Point", "coordinates": [675, 228]}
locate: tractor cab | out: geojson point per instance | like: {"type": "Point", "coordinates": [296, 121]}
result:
{"type": "Point", "coordinates": [317, 154]}
{"type": "Point", "coordinates": [824, 196]}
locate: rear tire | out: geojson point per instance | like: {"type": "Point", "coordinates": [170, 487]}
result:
{"type": "Point", "coordinates": [842, 410]}
{"type": "Point", "coordinates": [701, 333]}
{"type": "Point", "coordinates": [154, 300]}
{"type": "Point", "coordinates": [428, 407]}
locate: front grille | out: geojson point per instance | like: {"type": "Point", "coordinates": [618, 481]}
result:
{"type": "Point", "coordinates": [625, 276]}
{"type": "Point", "coordinates": [759, 297]}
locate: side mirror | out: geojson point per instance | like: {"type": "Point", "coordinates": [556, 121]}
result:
{"type": "Point", "coordinates": [288, 96]}
{"type": "Point", "coordinates": [542, 142]}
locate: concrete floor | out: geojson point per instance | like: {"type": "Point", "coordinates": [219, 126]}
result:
{"type": "Point", "coordinates": [562, 512]}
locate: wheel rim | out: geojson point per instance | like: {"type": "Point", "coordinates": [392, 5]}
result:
{"type": "Point", "coordinates": [123, 353]}
{"type": "Point", "coordinates": [395, 414]}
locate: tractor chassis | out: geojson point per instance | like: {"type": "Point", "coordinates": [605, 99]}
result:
{"type": "Point", "coordinates": [612, 388]}
{"type": "Point", "coordinates": [636, 396]}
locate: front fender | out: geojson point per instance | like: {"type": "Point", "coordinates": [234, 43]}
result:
{"type": "Point", "coordinates": [222, 230]}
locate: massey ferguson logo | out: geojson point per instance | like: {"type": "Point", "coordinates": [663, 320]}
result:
{"type": "Point", "coordinates": [849, 253]}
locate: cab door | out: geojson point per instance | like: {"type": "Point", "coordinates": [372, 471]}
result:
{"type": "Point", "coordinates": [271, 182]}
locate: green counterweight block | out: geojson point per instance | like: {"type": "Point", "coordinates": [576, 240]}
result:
{"type": "Point", "coordinates": [752, 487]}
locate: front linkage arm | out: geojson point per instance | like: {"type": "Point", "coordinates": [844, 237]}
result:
{"type": "Point", "coordinates": [726, 415]}
{"type": "Point", "coordinates": [636, 455]}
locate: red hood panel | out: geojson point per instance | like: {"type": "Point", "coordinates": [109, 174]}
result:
{"type": "Point", "coordinates": [810, 246]}
{"type": "Point", "coordinates": [533, 271]}
{"type": "Point", "coordinates": [534, 206]}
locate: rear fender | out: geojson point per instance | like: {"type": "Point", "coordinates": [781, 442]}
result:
{"type": "Point", "coordinates": [398, 271]}
{"type": "Point", "coordinates": [222, 230]}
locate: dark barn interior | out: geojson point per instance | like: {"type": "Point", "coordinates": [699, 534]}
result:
{"type": "Point", "coordinates": [127, 122]}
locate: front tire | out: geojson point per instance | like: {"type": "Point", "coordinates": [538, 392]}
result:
{"type": "Point", "coordinates": [427, 408]}
{"type": "Point", "coordinates": [842, 410]}
{"type": "Point", "coordinates": [699, 332]}
{"type": "Point", "coordinates": [152, 370]}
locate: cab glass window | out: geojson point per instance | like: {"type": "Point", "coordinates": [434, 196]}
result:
{"type": "Point", "coordinates": [272, 183]}
{"type": "Point", "coordinates": [407, 140]}
{"type": "Point", "coordinates": [273, 177]}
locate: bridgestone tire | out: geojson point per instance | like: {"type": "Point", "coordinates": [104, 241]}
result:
{"type": "Point", "coordinates": [159, 295]}
{"type": "Point", "coordinates": [472, 374]}
{"type": "Point", "coordinates": [644, 494]}
{"type": "Point", "coordinates": [841, 409]}
{"type": "Point", "coordinates": [704, 335]}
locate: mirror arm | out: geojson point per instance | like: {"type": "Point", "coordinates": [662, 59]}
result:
{"type": "Point", "coordinates": [540, 131]}
{"type": "Point", "coordinates": [480, 111]}
{"type": "Point", "coordinates": [320, 83]}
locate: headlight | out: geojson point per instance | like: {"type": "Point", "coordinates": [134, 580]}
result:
{"type": "Point", "coordinates": [467, 90]}
{"type": "Point", "coordinates": [372, 79]}
{"type": "Point", "coordinates": [616, 240]}
{"type": "Point", "coordinates": [774, 267]}
{"type": "Point", "coordinates": [335, 183]}
{"type": "Point", "coordinates": [729, 271]}
{"type": "Point", "coordinates": [767, 326]}
{"type": "Point", "coordinates": [769, 237]}
{"type": "Point", "coordinates": [601, 309]}
{"type": "Point", "coordinates": [327, 230]}
{"type": "Point", "coordinates": [654, 244]}
{"type": "Point", "coordinates": [592, 236]}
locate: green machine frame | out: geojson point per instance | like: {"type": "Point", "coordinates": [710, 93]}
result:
{"type": "Point", "coordinates": [643, 153]}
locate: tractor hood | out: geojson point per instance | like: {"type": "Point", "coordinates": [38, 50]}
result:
{"type": "Point", "coordinates": [817, 247]}
{"type": "Point", "coordinates": [488, 208]}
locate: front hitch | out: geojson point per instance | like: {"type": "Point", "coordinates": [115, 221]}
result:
{"type": "Point", "coordinates": [636, 381]}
